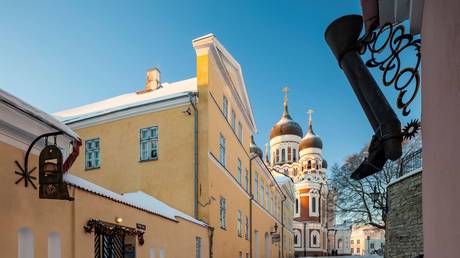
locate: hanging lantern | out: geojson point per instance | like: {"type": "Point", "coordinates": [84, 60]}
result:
{"type": "Point", "coordinates": [51, 172]}
{"type": "Point", "coordinates": [375, 195]}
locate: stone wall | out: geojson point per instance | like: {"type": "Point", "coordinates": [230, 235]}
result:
{"type": "Point", "coordinates": [404, 232]}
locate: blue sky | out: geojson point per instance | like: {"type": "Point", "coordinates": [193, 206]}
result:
{"type": "Point", "coordinates": [61, 54]}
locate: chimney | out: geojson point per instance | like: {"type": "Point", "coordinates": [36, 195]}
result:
{"type": "Point", "coordinates": [153, 79]}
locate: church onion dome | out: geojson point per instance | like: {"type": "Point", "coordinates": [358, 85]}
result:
{"type": "Point", "coordinates": [310, 140]}
{"type": "Point", "coordinates": [286, 126]}
{"type": "Point", "coordinates": [324, 165]}
{"type": "Point", "coordinates": [253, 148]}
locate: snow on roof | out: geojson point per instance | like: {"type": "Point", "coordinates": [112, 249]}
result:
{"type": "Point", "coordinates": [167, 91]}
{"type": "Point", "coordinates": [282, 179]}
{"type": "Point", "coordinates": [45, 118]}
{"type": "Point", "coordinates": [138, 199]}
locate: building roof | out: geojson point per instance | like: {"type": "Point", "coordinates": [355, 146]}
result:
{"type": "Point", "coordinates": [130, 100]}
{"type": "Point", "coordinates": [139, 199]}
{"type": "Point", "coordinates": [286, 126]}
{"type": "Point", "coordinates": [35, 113]}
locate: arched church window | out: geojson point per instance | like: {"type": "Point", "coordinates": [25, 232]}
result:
{"type": "Point", "coordinates": [277, 155]}
{"type": "Point", "coordinates": [294, 154]}
{"type": "Point", "coordinates": [315, 240]}
{"type": "Point", "coordinates": [283, 155]}
{"type": "Point", "coordinates": [309, 164]}
{"type": "Point", "coordinates": [296, 205]}
{"type": "Point", "coordinates": [289, 154]}
{"type": "Point", "coordinates": [313, 204]}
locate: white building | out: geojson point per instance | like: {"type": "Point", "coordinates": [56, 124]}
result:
{"type": "Point", "coordinates": [366, 240]}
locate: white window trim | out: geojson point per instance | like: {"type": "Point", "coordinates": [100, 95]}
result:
{"type": "Point", "coordinates": [318, 239]}
{"type": "Point", "coordinates": [297, 211]}
{"type": "Point", "coordinates": [310, 210]}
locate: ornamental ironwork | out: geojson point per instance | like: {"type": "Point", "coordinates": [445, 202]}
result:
{"type": "Point", "coordinates": [110, 229]}
{"type": "Point", "coordinates": [386, 45]}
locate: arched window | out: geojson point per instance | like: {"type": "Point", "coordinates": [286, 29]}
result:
{"type": "Point", "coordinates": [283, 155]}
{"type": "Point", "coordinates": [296, 205]}
{"type": "Point", "coordinates": [339, 244]}
{"type": "Point", "coordinates": [297, 238]}
{"type": "Point", "coordinates": [294, 155]}
{"type": "Point", "coordinates": [25, 243]}
{"type": "Point", "coordinates": [315, 239]}
{"type": "Point", "coordinates": [289, 153]}
{"type": "Point", "coordinates": [152, 252]}
{"type": "Point", "coordinates": [309, 164]}
{"type": "Point", "coordinates": [313, 204]}
{"type": "Point", "coordinates": [54, 245]}
{"type": "Point", "coordinates": [277, 155]}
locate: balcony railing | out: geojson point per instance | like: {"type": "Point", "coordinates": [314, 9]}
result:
{"type": "Point", "coordinates": [411, 163]}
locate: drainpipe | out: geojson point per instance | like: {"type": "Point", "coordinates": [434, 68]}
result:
{"type": "Point", "coordinates": [251, 197]}
{"type": "Point", "coordinates": [211, 236]}
{"type": "Point", "coordinates": [282, 227]}
{"type": "Point", "coordinates": [192, 98]}
{"type": "Point", "coordinates": [305, 239]}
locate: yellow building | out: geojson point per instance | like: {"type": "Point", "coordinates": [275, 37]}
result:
{"type": "Point", "coordinates": [96, 222]}
{"type": "Point", "coordinates": [188, 144]}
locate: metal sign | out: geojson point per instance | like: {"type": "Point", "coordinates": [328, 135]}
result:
{"type": "Point", "coordinates": [141, 226]}
{"type": "Point", "coordinates": [52, 185]}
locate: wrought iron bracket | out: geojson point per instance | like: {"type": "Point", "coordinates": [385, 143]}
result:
{"type": "Point", "coordinates": [385, 46]}
{"type": "Point", "coordinates": [111, 229]}
{"type": "Point", "coordinates": [25, 174]}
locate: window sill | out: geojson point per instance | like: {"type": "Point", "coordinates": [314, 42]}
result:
{"type": "Point", "coordinates": [147, 160]}
{"type": "Point", "coordinates": [223, 228]}
{"type": "Point", "coordinates": [94, 168]}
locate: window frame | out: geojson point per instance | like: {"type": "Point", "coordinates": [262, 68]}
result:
{"type": "Point", "coordinates": [222, 149]}
{"type": "Point", "coordinates": [223, 213]}
{"type": "Point", "coordinates": [225, 106]}
{"type": "Point", "coordinates": [239, 224]}
{"type": "Point", "coordinates": [92, 151]}
{"type": "Point", "coordinates": [149, 140]}
{"type": "Point", "coordinates": [239, 171]}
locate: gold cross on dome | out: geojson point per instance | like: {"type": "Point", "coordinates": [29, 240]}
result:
{"type": "Point", "coordinates": [310, 113]}
{"type": "Point", "coordinates": [285, 90]}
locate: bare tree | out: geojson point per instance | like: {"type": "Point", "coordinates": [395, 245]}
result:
{"type": "Point", "coordinates": [354, 200]}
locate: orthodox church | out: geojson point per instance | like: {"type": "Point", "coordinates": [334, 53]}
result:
{"type": "Point", "coordinates": [300, 157]}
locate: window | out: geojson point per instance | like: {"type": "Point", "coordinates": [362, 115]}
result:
{"type": "Point", "coordinates": [352, 241]}
{"type": "Point", "coordinates": [198, 247]}
{"type": "Point", "coordinates": [256, 187]}
{"type": "Point", "coordinates": [294, 154]}
{"type": "Point", "coordinates": [223, 210]}
{"type": "Point", "coordinates": [239, 229]}
{"type": "Point", "coordinates": [92, 153]}
{"type": "Point", "coordinates": [262, 192]}
{"type": "Point", "coordinates": [246, 179]}
{"type": "Point", "coordinates": [309, 164]}
{"type": "Point", "coordinates": [247, 255]}
{"type": "Point", "coordinates": [246, 227]}
{"type": "Point", "coordinates": [240, 131]}
{"type": "Point", "coordinates": [25, 243]}
{"type": "Point", "coordinates": [277, 155]}
{"type": "Point", "coordinates": [313, 204]}
{"type": "Point", "coordinates": [372, 246]}
{"type": "Point", "coordinates": [297, 238]}
{"type": "Point", "coordinates": [315, 237]}
{"type": "Point", "coordinates": [296, 206]}
{"type": "Point", "coordinates": [283, 155]}
{"type": "Point", "coordinates": [233, 120]}
{"type": "Point", "coordinates": [241, 254]}
{"type": "Point", "coordinates": [358, 250]}
{"type": "Point", "coordinates": [352, 250]}
{"type": "Point", "coordinates": [54, 245]}
{"type": "Point", "coordinates": [238, 169]}
{"type": "Point", "coordinates": [358, 242]}
{"type": "Point", "coordinates": [340, 243]}
{"type": "Point", "coordinates": [289, 154]}
{"type": "Point", "coordinates": [152, 252]}
{"type": "Point", "coordinates": [267, 204]}
{"type": "Point", "coordinates": [162, 253]}
{"type": "Point", "coordinates": [222, 150]}
{"type": "Point", "coordinates": [225, 107]}
{"type": "Point", "coordinates": [149, 143]}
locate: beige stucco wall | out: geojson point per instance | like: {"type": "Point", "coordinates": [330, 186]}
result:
{"type": "Point", "coordinates": [120, 169]}
{"type": "Point", "coordinates": [21, 207]}
{"type": "Point", "coordinates": [441, 127]}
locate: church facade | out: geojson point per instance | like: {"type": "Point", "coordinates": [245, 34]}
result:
{"type": "Point", "coordinates": [300, 157]}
